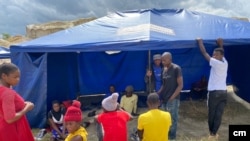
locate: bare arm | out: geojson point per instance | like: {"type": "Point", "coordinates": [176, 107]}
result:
{"type": "Point", "coordinates": [140, 134]}
{"type": "Point", "coordinates": [159, 91]}
{"type": "Point", "coordinates": [77, 138]}
{"type": "Point", "coordinates": [178, 89]}
{"type": "Point", "coordinates": [202, 49]}
{"type": "Point", "coordinates": [148, 74]}
{"type": "Point", "coordinates": [64, 130]}
{"type": "Point", "coordinates": [121, 109]}
{"type": "Point", "coordinates": [53, 125]}
{"type": "Point", "coordinates": [28, 106]}
{"type": "Point", "coordinates": [122, 102]}
{"type": "Point", "coordinates": [220, 42]}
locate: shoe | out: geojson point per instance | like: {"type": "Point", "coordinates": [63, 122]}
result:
{"type": "Point", "coordinates": [134, 137]}
{"type": "Point", "coordinates": [86, 124]}
{"type": "Point", "coordinates": [217, 136]}
{"type": "Point", "coordinates": [134, 114]}
{"type": "Point", "coordinates": [213, 137]}
{"type": "Point", "coordinates": [92, 113]}
{"type": "Point", "coordinates": [38, 139]}
{"type": "Point", "coordinates": [40, 134]}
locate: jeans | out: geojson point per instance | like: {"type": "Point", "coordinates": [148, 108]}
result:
{"type": "Point", "coordinates": [173, 108]}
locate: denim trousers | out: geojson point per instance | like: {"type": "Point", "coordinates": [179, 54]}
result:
{"type": "Point", "coordinates": [173, 108]}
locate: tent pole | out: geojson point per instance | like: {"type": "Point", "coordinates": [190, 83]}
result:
{"type": "Point", "coordinates": [149, 68]}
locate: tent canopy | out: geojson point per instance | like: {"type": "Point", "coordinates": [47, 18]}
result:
{"type": "Point", "coordinates": [72, 62]}
{"type": "Point", "coordinates": [4, 53]}
{"type": "Point", "coordinates": [151, 28]}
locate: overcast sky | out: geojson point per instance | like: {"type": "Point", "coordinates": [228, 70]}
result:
{"type": "Point", "coordinates": [16, 14]}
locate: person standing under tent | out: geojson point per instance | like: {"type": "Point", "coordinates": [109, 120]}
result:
{"type": "Point", "coordinates": [172, 84]}
{"type": "Point", "coordinates": [153, 75]}
{"type": "Point", "coordinates": [217, 87]}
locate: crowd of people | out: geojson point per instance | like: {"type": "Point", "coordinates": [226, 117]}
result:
{"type": "Point", "coordinates": [164, 83]}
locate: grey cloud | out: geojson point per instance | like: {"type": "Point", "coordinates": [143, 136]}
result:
{"type": "Point", "coordinates": [16, 14]}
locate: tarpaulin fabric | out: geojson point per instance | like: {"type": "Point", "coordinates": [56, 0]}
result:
{"type": "Point", "coordinates": [73, 62]}
{"type": "Point", "coordinates": [151, 29]}
{"type": "Point", "coordinates": [4, 53]}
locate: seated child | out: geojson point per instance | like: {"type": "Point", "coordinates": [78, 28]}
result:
{"type": "Point", "coordinates": [73, 120]}
{"type": "Point", "coordinates": [111, 90]}
{"type": "Point", "coordinates": [112, 120]}
{"type": "Point", "coordinates": [55, 118]}
{"type": "Point", "coordinates": [129, 100]}
{"type": "Point", "coordinates": [199, 89]}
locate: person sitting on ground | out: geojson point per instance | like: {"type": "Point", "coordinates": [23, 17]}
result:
{"type": "Point", "coordinates": [129, 101]}
{"type": "Point", "coordinates": [111, 90]}
{"type": "Point", "coordinates": [73, 120]}
{"type": "Point", "coordinates": [42, 132]}
{"type": "Point", "coordinates": [199, 88]}
{"type": "Point", "coordinates": [154, 125]}
{"type": "Point", "coordinates": [55, 118]}
{"type": "Point", "coordinates": [113, 120]}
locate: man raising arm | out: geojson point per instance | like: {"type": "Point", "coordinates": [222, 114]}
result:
{"type": "Point", "coordinates": [217, 88]}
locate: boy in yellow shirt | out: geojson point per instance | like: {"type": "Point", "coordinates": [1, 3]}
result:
{"type": "Point", "coordinates": [154, 125]}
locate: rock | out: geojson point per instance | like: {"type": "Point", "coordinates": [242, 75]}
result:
{"type": "Point", "coordinates": [38, 30]}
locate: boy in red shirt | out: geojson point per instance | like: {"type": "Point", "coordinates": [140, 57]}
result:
{"type": "Point", "coordinates": [113, 120]}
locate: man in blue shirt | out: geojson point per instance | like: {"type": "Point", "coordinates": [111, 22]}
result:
{"type": "Point", "coordinates": [154, 73]}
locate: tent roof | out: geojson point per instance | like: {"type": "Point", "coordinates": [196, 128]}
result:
{"type": "Point", "coordinates": [4, 53]}
{"type": "Point", "coordinates": [152, 29]}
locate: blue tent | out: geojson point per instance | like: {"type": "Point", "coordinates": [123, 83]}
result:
{"type": "Point", "coordinates": [74, 62]}
{"type": "Point", "coordinates": [4, 53]}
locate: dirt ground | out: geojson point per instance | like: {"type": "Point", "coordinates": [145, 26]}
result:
{"type": "Point", "coordinates": [192, 124]}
